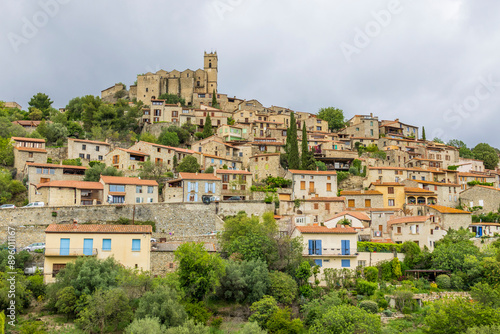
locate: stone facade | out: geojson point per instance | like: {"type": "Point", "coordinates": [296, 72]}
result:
{"type": "Point", "coordinates": [448, 217]}
{"type": "Point", "coordinates": [486, 197]}
{"type": "Point", "coordinates": [363, 198]}
{"type": "Point", "coordinates": [128, 190]}
{"type": "Point", "coordinates": [27, 150]}
{"type": "Point", "coordinates": [310, 184]}
{"type": "Point", "coordinates": [192, 187]}
{"type": "Point", "coordinates": [87, 150]}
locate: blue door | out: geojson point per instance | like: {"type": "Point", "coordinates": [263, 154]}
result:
{"type": "Point", "coordinates": [346, 247]}
{"type": "Point", "coordinates": [87, 246]}
{"type": "Point", "coordinates": [480, 231]}
{"type": "Point", "coordinates": [64, 247]}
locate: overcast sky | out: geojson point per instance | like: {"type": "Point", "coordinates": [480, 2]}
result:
{"type": "Point", "coordinates": [428, 63]}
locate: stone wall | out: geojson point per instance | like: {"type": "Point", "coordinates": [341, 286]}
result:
{"type": "Point", "coordinates": [172, 219]}
{"type": "Point", "coordinates": [57, 153]}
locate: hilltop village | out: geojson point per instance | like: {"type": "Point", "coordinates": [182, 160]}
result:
{"type": "Point", "coordinates": [172, 160]}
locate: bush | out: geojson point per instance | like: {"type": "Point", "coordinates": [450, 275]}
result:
{"type": "Point", "coordinates": [282, 287]}
{"type": "Point", "coordinates": [382, 302]}
{"type": "Point", "coordinates": [198, 312]}
{"type": "Point", "coordinates": [280, 322]}
{"type": "Point", "coordinates": [443, 282]}
{"type": "Point", "coordinates": [387, 313]}
{"type": "Point", "coordinates": [162, 303]}
{"type": "Point", "coordinates": [189, 327]}
{"type": "Point", "coordinates": [263, 309]}
{"type": "Point", "coordinates": [347, 319]}
{"type": "Point", "coordinates": [145, 326]}
{"type": "Point", "coordinates": [366, 288]}
{"type": "Point", "coordinates": [457, 282]}
{"type": "Point", "coordinates": [369, 306]}
{"type": "Point", "coordinates": [371, 274]}
{"type": "Point", "coordinates": [252, 328]}
{"type": "Point", "coordinates": [484, 330]}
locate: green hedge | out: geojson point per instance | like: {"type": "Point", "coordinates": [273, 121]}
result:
{"type": "Point", "coordinates": [366, 246]}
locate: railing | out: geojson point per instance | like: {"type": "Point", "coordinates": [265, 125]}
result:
{"type": "Point", "coordinates": [335, 252]}
{"type": "Point", "coordinates": [70, 251]}
{"type": "Point", "coordinates": [312, 190]}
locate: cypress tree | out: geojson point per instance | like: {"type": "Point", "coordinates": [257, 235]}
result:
{"type": "Point", "coordinates": [423, 133]}
{"type": "Point", "coordinates": [292, 145]}
{"type": "Point", "coordinates": [307, 157]}
{"type": "Point", "coordinates": [207, 127]}
{"type": "Point", "coordinates": [214, 100]}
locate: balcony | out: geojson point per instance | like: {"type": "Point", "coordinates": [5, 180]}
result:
{"type": "Point", "coordinates": [336, 252]}
{"type": "Point", "coordinates": [312, 191]}
{"type": "Point", "coordinates": [70, 252]}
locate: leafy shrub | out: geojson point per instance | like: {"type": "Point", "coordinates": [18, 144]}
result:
{"type": "Point", "coordinates": [145, 326]}
{"type": "Point", "coordinates": [443, 281]}
{"type": "Point", "coordinates": [369, 306]}
{"type": "Point", "coordinates": [263, 310]}
{"type": "Point", "coordinates": [216, 323]}
{"type": "Point", "coordinates": [403, 298]}
{"type": "Point", "coordinates": [252, 328]}
{"type": "Point", "coordinates": [382, 302]}
{"type": "Point", "coordinates": [280, 322]}
{"type": "Point", "coordinates": [162, 303]}
{"type": "Point", "coordinates": [189, 327]}
{"type": "Point", "coordinates": [366, 288]}
{"type": "Point", "coordinates": [367, 246]}
{"type": "Point", "coordinates": [457, 282]}
{"type": "Point", "coordinates": [387, 313]}
{"type": "Point", "coordinates": [347, 319]}
{"type": "Point", "coordinates": [282, 287]}
{"type": "Point", "coordinates": [484, 330]}
{"type": "Point", "coordinates": [371, 274]}
{"type": "Point", "coordinates": [198, 312]}
{"type": "Point", "coordinates": [317, 307]}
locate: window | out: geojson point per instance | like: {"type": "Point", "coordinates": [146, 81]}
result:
{"type": "Point", "coordinates": [328, 187]}
{"type": "Point", "coordinates": [327, 206]}
{"type": "Point", "coordinates": [302, 185]}
{"type": "Point", "coordinates": [150, 189]}
{"type": "Point", "coordinates": [315, 247]}
{"type": "Point", "coordinates": [84, 147]}
{"type": "Point", "coordinates": [99, 157]}
{"type": "Point", "coordinates": [139, 200]}
{"type": "Point", "coordinates": [399, 230]}
{"type": "Point", "coordinates": [138, 189]}
{"type": "Point", "coordinates": [390, 190]}
{"type": "Point", "coordinates": [106, 244]}
{"type": "Point", "coordinates": [97, 148]}
{"type": "Point", "coordinates": [346, 263]}
{"type": "Point", "coordinates": [118, 199]}
{"type": "Point", "coordinates": [391, 202]}
{"type": "Point", "coordinates": [368, 203]}
{"type": "Point", "coordinates": [350, 203]}
{"type": "Point", "coordinates": [361, 263]}
{"type": "Point", "coordinates": [316, 206]}
{"type": "Point", "coordinates": [328, 177]}
{"type": "Point", "coordinates": [136, 245]}
{"type": "Point", "coordinates": [81, 156]}
{"type": "Point", "coordinates": [88, 156]}
{"type": "Point", "coordinates": [119, 188]}
{"type": "Point", "coordinates": [116, 159]}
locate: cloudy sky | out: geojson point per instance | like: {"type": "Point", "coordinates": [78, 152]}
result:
{"type": "Point", "coordinates": [428, 63]}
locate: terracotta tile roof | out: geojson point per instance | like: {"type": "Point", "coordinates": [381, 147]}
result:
{"type": "Point", "coordinates": [198, 176]}
{"type": "Point", "coordinates": [217, 157]}
{"type": "Point", "coordinates": [131, 151]}
{"type": "Point", "coordinates": [475, 175]}
{"type": "Point", "coordinates": [34, 164]}
{"type": "Point", "coordinates": [312, 172]}
{"type": "Point", "coordinates": [31, 149]}
{"type": "Point", "coordinates": [485, 224]}
{"type": "Point", "coordinates": [376, 209]}
{"type": "Point", "coordinates": [359, 192]}
{"type": "Point", "coordinates": [90, 141]}
{"type": "Point", "coordinates": [168, 147]}
{"type": "Point", "coordinates": [410, 219]}
{"type": "Point", "coordinates": [326, 230]}
{"type": "Point", "coordinates": [127, 180]}
{"type": "Point", "coordinates": [355, 214]}
{"type": "Point", "coordinates": [418, 190]}
{"type": "Point", "coordinates": [72, 184]}
{"type": "Point", "coordinates": [488, 187]}
{"type": "Point", "coordinates": [437, 183]}
{"type": "Point", "coordinates": [117, 193]}
{"type": "Point", "coordinates": [36, 140]}
{"type": "Point", "coordinates": [231, 171]}
{"type": "Point", "coordinates": [325, 199]}
{"type": "Point", "coordinates": [445, 209]}
{"type": "Point", "coordinates": [29, 123]}
{"type": "Point", "coordinates": [264, 155]}
{"type": "Point", "coordinates": [390, 184]}
{"type": "Point", "coordinates": [93, 228]}
{"type": "Point", "coordinates": [269, 143]}
{"type": "Point", "coordinates": [389, 168]}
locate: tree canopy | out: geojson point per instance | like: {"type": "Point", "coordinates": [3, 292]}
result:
{"type": "Point", "coordinates": [334, 117]}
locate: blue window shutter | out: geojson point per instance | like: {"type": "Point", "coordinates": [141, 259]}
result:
{"type": "Point", "coordinates": [106, 244]}
{"type": "Point", "coordinates": [212, 161]}
{"type": "Point", "coordinates": [319, 250]}
{"type": "Point", "coordinates": [196, 186]}
{"type": "Point", "coordinates": [318, 262]}
{"type": "Point", "coordinates": [347, 247]}
{"type": "Point", "coordinates": [196, 197]}
{"type": "Point", "coordinates": [311, 246]}
{"type": "Point", "coordinates": [346, 263]}
{"type": "Point", "coordinates": [88, 245]}
{"type": "Point", "coordinates": [64, 247]}
{"type": "Point", "coordinates": [136, 244]}
{"type": "Point", "coordinates": [206, 187]}
{"type": "Point", "coordinates": [342, 247]}
{"type": "Point", "coordinates": [189, 186]}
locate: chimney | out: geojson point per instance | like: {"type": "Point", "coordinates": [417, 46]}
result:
{"type": "Point", "coordinates": [196, 173]}
{"type": "Point", "coordinates": [75, 224]}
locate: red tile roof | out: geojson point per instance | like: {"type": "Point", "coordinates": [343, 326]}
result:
{"type": "Point", "coordinates": [34, 164]}
{"type": "Point", "coordinates": [198, 176]}
{"type": "Point", "coordinates": [488, 187]}
{"type": "Point", "coordinates": [355, 214]}
{"type": "Point", "coordinates": [325, 199]}
{"type": "Point", "coordinates": [31, 149]}
{"type": "Point", "coordinates": [359, 192]}
{"type": "Point", "coordinates": [418, 190]}
{"type": "Point", "coordinates": [72, 184]}
{"type": "Point", "coordinates": [89, 141]}
{"type": "Point", "coordinates": [410, 219]}
{"type": "Point", "coordinates": [312, 172]}
{"type": "Point", "coordinates": [131, 151]}
{"type": "Point", "coordinates": [390, 184]}
{"type": "Point", "coordinates": [28, 139]}
{"type": "Point", "coordinates": [324, 229]}
{"type": "Point", "coordinates": [127, 180]}
{"type": "Point", "coordinates": [93, 228]}
{"type": "Point", "coordinates": [445, 209]}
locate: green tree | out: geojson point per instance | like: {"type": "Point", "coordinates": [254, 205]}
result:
{"type": "Point", "coordinates": [215, 104]}
{"type": "Point", "coordinates": [145, 326]}
{"type": "Point", "coordinates": [188, 165]}
{"type": "Point", "coordinates": [465, 153]}
{"type": "Point", "coordinates": [36, 114]}
{"type": "Point", "coordinates": [291, 147]}
{"type": "Point", "coordinates": [307, 157]}
{"type": "Point", "coordinates": [66, 301]}
{"type": "Point", "coordinates": [42, 102]}
{"type": "Point", "coordinates": [347, 319]}
{"type": "Point", "coordinates": [437, 140]}
{"type": "Point", "coordinates": [450, 252]}
{"type": "Point", "coordinates": [189, 327]}
{"type": "Point", "coordinates": [316, 307]}
{"type": "Point", "coordinates": [263, 310]}
{"type": "Point", "coordinates": [456, 143]}
{"type": "Point", "coordinates": [163, 304]}
{"type": "Point", "coordinates": [149, 138]}
{"type": "Point", "coordinates": [75, 130]}
{"type": "Point", "coordinates": [172, 99]}
{"type": "Point", "coordinates": [199, 272]}
{"type": "Point", "coordinates": [282, 287]}
{"type": "Point", "coordinates": [245, 281]}
{"type": "Point", "coordinates": [56, 133]}
{"type": "Point", "coordinates": [486, 295]}
{"type": "Point", "coordinates": [152, 170]}
{"type": "Point", "coordinates": [487, 154]}
{"type": "Point", "coordinates": [94, 173]}
{"type": "Point", "coordinates": [107, 311]}
{"type": "Point", "coordinates": [334, 117]}
{"type": "Point", "coordinates": [484, 330]}
{"type": "Point", "coordinates": [9, 188]}
{"type": "Point", "coordinates": [423, 134]}
{"type": "Point", "coordinates": [6, 152]}
{"type": "Point", "coordinates": [169, 139]}
{"type": "Point", "coordinates": [207, 127]}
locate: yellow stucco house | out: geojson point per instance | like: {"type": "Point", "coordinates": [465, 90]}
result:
{"type": "Point", "coordinates": [128, 244]}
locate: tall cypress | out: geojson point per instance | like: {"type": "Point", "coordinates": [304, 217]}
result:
{"type": "Point", "coordinates": [207, 127]}
{"type": "Point", "coordinates": [307, 157]}
{"type": "Point", "coordinates": [292, 144]}
{"type": "Point", "coordinates": [423, 133]}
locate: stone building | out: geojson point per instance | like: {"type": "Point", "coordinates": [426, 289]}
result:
{"type": "Point", "coordinates": [192, 187]}
{"type": "Point", "coordinates": [129, 190]}
{"type": "Point", "coordinates": [393, 193]}
{"type": "Point", "coordinates": [128, 244]}
{"type": "Point", "coordinates": [362, 126]}
{"type": "Point", "coordinates": [215, 161]}
{"type": "Point", "coordinates": [363, 198]}
{"type": "Point", "coordinates": [448, 217]}
{"type": "Point", "coordinates": [87, 150]}
{"type": "Point", "coordinates": [317, 208]}
{"type": "Point", "coordinates": [27, 150]}
{"type": "Point", "coordinates": [447, 193]}
{"type": "Point", "coordinates": [126, 160]}
{"type": "Point", "coordinates": [61, 193]}
{"type": "Point", "coordinates": [422, 230]}
{"type": "Point", "coordinates": [307, 184]}
{"type": "Point", "coordinates": [263, 165]}
{"type": "Point", "coordinates": [488, 198]}
{"type": "Point", "coordinates": [465, 178]}
{"type": "Point", "coordinates": [235, 183]}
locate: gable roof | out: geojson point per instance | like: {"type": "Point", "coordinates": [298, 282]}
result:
{"type": "Point", "coordinates": [89, 141]}
{"type": "Point", "coordinates": [326, 230]}
{"type": "Point", "coordinates": [232, 171]}
{"type": "Point", "coordinates": [356, 214]}
{"type": "Point", "coordinates": [409, 219]}
{"type": "Point", "coordinates": [198, 176]}
{"type": "Point", "coordinates": [34, 164]}
{"type": "Point", "coordinates": [94, 228]}
{"type": "Point", "coordinates": [418, 190]}
{"type": "Point", "coordinates": [359, 192]}
{"type": "Point", "coordinates": [445, 209]}
{"type": "Point", "coordinates": [132, 151]}
{"type": "Point", "coordinates": [28, 139]}
{"type": "Point", "coordinates": [312, 172]}
{"type": "Point", "coordinates": [127, 180]}
{"type": "Point", "coordinates": [72, 184]}
{"type": "Point", "coordinates": [30, 149]}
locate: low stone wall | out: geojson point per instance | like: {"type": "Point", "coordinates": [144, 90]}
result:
{"type": "Point", "coordinates": [57, 153]}
{"type": "Point", "coordinates": [171, 219]}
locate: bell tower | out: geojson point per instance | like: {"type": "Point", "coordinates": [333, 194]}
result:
{"type": "Point", "coordinates": [211, 68]}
